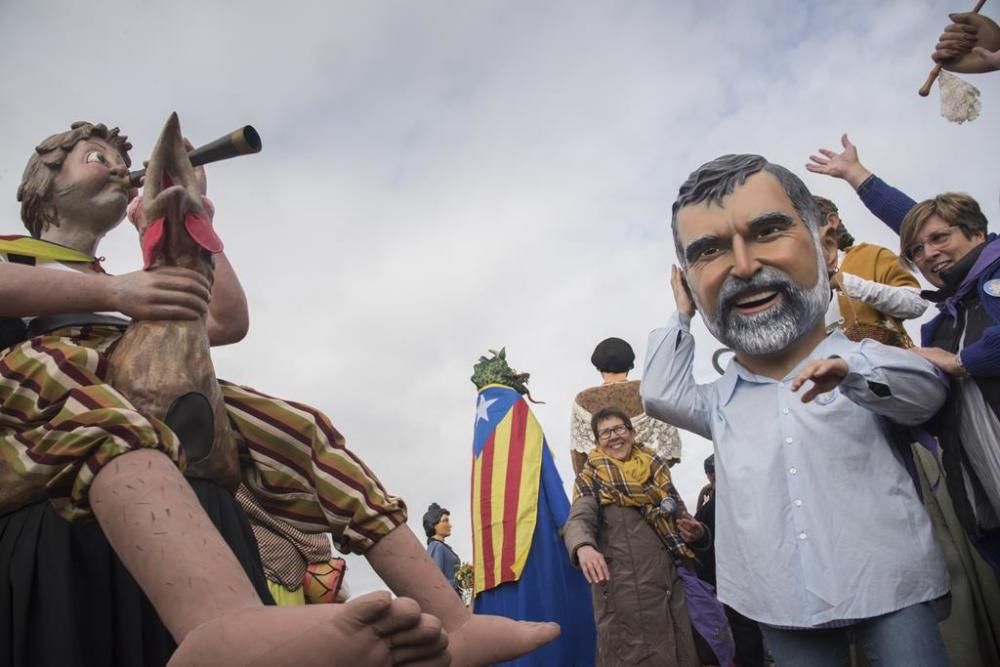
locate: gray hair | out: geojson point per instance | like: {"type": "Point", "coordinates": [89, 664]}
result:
{"type": "Point", "coordinates": [712, 181]}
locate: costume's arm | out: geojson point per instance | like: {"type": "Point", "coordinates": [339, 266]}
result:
{"type": "Point", "coordinates": [228, 315]}
{"type": "Point", "coordinates": [903, 303]}
{"type": "Point", "coordinates": [884, 201]}
{"type": "Point", "coordinates": [28, 291]}
{"type": "Point", "coordinates": [894, 383]}
{"type": "Point", "coordinates": [169, 293]}
{"type": "Point", "coordinates": [668, 389]}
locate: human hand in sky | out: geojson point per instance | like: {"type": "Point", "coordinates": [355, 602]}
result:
{"type": "Point", "coordinates": [969, 45]}
{"type": "Point", "coordinates": [825, 374]}
{"type": "Point", "coordinates": [844, 165]}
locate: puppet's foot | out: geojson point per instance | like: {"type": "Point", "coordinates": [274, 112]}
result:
{"type": "Point", "coordinates": [484, 640]}
{"type": "Point", "coordinates": [373, 630]}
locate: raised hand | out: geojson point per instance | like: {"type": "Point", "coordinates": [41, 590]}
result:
{"type": "Point", "coordinates": [682, 296]}
{"type": "Point", "coordinates": [825, 374]}
{"type": "Point", "coordinates": [969, 45]}
{"type": "Point", "coordinates": [844, 165]}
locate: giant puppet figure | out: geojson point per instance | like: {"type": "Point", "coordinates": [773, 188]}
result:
{"type": "Point", "coordinates": [519, 505]}
{"type": "Point", "coordinates": [819, 527]}
{"type": "Point", "coordinates": [109, 555]}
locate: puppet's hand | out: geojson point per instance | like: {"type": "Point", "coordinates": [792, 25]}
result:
{"type": "Point", "coordinates": [682, 297]}
{"type": "Point", "coordinates": [969, 45]}
{"type": "Point", "coordinates": [165, 293]}
{"type": "Point", "coordinates": [825, 375]}
{"type": "Point", "coordinates": [845, 164]}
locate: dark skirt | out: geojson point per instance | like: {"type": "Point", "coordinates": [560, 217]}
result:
{"type": "Point", "coordinates": [67, 601]}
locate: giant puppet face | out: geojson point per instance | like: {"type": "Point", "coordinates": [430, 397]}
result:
{"type": "Point", "coordinates": [92, 184]}
{"type": "Point", "coordinates": [753, 266]}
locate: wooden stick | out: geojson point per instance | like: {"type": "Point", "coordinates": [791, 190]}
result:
{"type": "Point", "coordinates": [925, 89]}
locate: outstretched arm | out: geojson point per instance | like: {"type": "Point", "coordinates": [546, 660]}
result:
{"type": "Point", "coordinates": [884, 201]}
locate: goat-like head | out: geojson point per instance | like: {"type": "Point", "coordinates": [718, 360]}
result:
{"type": "Point", "coordinates": [175, 228]}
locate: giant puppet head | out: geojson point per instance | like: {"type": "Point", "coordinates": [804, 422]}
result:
{"type": "Point", "coordinates": [747, 237]}
{"type": "Point", "coordinates": [82, 174]}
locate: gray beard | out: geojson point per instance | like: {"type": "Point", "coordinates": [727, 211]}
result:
{"type": "Point", "coordinates": [772, 330]}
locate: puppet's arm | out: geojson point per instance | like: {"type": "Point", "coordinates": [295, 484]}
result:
{"type": "Point", "coordinates": [164, 294]}
{"type": "Point", "coordinates": [228, 315]}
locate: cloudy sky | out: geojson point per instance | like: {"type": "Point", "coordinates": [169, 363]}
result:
{"type": "Point", "coordinates": [441, 178]}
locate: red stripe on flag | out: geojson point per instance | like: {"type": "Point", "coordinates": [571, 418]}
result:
{"type": "Point", "coordinates": [512, 492]}
{"type": "Point", "coordinates": [486, 509]}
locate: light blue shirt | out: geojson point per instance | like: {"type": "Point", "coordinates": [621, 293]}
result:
{"type": "Point", "coordinates": [816, 519]}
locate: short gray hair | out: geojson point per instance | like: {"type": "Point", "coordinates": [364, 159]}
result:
{"type": "Point", "coordinates": [714, 180]}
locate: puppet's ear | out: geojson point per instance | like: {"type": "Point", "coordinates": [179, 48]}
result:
{"type": "Point", "coordinates": [169, 164]}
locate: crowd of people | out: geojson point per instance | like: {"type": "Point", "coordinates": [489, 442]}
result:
{"type": "Point", "coordinates": [853, 496]}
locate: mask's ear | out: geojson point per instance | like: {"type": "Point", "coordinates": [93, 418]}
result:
{"type": "Point", "coordinates": [828, 242]}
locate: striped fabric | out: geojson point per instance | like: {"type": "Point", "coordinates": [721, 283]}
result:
{"type": "Point", "coordinates": [60, 422]}
{"type": "Point", "coordinates": [507, 460]}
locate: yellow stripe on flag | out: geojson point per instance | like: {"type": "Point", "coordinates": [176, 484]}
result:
{"type": "Point", "coordinates": [501, 458]}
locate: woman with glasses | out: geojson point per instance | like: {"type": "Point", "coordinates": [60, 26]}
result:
{"type": "Point", "coordinates": [628, 531]}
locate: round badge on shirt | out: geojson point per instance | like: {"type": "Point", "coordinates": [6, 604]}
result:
{"type": "Point", "coordinates": [992, 287]}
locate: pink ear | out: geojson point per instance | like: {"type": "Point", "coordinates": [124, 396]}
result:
{"type": "Point", "coordinates": [201, 231]}
{"type": "Point", "coordinates": [152, 242]}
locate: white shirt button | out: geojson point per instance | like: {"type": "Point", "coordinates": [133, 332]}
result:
{"type": "Point", "coordinates": [781, 384]}
{"type": "Point", "coordinates": [793, 470]}
{"type": "Point", "coordinates": [802, 536]}
{"type": "Point", "coordinates": [784, 411]}
{"type": "Point", "coordinates": [788, 441]}
{"type": "Point", "coordinates": [798, 503]}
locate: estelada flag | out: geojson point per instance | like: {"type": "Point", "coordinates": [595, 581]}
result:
{"type": "Point", "coordinates": [506, 466]}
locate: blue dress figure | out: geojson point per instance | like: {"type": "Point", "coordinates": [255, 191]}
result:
{"type": "Point", "coordinates": [437, 526]}
{"type": "Point", "coordinates": [521, 568]}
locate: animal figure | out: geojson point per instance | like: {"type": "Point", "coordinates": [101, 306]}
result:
{"type": "Point", "coordinates": [164, 367]}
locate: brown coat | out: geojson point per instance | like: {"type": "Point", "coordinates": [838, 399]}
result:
{"type": "Point", "coordinates": [640, 613]}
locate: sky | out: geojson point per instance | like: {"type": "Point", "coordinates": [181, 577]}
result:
{"type": "Point", "coordinates": [440, 178]}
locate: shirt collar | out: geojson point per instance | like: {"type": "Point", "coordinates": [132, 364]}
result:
{"type": "Point", "coordinates": [736, 372]}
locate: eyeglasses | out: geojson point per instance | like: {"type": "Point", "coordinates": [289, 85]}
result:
{"type": "Point", "coordinates": [620, 429]}
{"type": "Point", "coordinates": [937, 240]}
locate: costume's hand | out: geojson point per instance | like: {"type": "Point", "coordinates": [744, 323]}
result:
{"type": "Point", "coordinates": [946, 361]}
{"type": "Point", "coordinates": [199, 171]}
{"type": "Point", "coordinates": [825, 375]}
{"type": "Point", "coordinates": [682, 296]}
{"type": "Point", "coordinates": [690, 528]}
{"type": "Point", "coordinates": [969, 45]}
{"type": "Point", "coordinates": [595, 568]}
{"type": "Point", "coordinates": [845, 164]}
{"type": "Point", "coordinates": [164, 293]}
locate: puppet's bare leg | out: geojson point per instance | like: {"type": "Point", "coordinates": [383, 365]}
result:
{"type": "Point", "coordinates": [155, 524]}
{"type": "Point", "coordinates": [403, 564]}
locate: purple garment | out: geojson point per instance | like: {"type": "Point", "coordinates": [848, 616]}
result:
{"type": "Point", "coordinates": [885, 202]}
{"type": "Point", "coordinates": [707, 616]}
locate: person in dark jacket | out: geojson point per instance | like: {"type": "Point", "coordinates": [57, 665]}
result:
{"type": "Point", "coordinates": [626, 530]}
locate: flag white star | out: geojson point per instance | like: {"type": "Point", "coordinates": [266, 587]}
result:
{"type": "Point", "coordinates": [482, 408]}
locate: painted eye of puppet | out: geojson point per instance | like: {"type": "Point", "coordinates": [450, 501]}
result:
{"type": "Point", "coordinates": [97, 156]}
